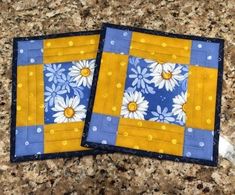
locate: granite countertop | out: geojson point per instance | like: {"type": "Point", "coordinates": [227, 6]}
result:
{"type": "Point", "coordinates": [116, 173]}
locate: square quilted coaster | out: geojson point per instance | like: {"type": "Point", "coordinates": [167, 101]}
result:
{"type": "Point", "coordinates": [52, 77]}
{"type": "Point", "coordinates": [156, 94]}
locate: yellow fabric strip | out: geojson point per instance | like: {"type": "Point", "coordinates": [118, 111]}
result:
{"type": "Point", "coordinates": [67, 58]}
{"type": "Point", "coordinates": [151, 146]}
{"type": "Point", "coordinates": [76, 126]}
{"type": "Point", "coordinates": [57, 136]}
{"type": "Point", "coordinates": [63, 146]}
{"type": "Point", "coordinates": [70, 48]}
{"type": "Point", "coordinates": [22, 96]}
{"type": "Point", "coordinates": [160, 48]}
{"type": "Point", "coordinates": [72, 41]}
{"type": "Point", "coordinates": [200, 107]}
{"type": "Point", "coordinates": [30, 104]}
{"type": "Point", "coordinates": [40, 94]}
{"type": "Point", "coordinates": [150, 136]}
{"type": "Point", "coordinates": [32, 100]}
{"type": "Point", "coordinates": [63, 137]}
{"type": "Point", "coordinates": [111, 84]}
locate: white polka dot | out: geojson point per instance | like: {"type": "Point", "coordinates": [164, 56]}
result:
{"type": "Point", "coordinates": [39, 130]}
{"type": "Point", "coordinates": [199, 45]}
{"type": "Point", "coordinates": [188, 154]}
{"type": "Point", "coordinates": [38, 152]}
{"type": "Point", "coordinates": [32, 60]}
{"type": "Point", "coordinates": [104, 142]}
{"type": "Point", "coordinates": [125, 34]}
{"type": "Point", "coordinates": [201, 144]}
{"type": "Point", "coordinates": [94, 128]}
{"type": "Point", "coordinates": [212, 133]}
{"type": "Point", "coordinates": [112, 42]}
{"type": "Point", "coordinates": [209, 57]}
{"type": "Point", "coordinates": [32, 41]}
{"type": "Point", "coordinates": [122, 53]}
{"type": "Point", "coordinates": [26, 143]}
{"type": "Point", "coordinates": [42, 50]}
{"type": "Point", "coordinates": [190, 130]}
{"type": "Point", "coordinates": [109, 118]}
{"type": "Point", "coordinates": [21, 51]}
{"type": "Point", "coordinates": [16, 131]}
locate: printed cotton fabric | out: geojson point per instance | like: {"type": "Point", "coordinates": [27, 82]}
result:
{"type": "Point", "coordinates": [52, 77]}
{"type": "Point", "coordinates": [157, 95]}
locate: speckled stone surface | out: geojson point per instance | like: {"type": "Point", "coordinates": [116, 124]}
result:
{"type": "Point", "coordinates": [116, 173]}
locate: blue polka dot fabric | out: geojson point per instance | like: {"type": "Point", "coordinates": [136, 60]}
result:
{"type": "Point", "coordinates": [31, 137]}
{"type": "Point", "coordinates": [198, 143]}
{"type": "Point", "coordinates": [205, 53]}
{"type": "Point", "coordinates": [118, 41]}
{"type": "Point", "coordinates": [30, 52]}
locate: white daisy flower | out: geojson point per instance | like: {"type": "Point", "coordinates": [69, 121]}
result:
{"type": "Point", "coordinates": [82, 72]}
{"type": "Point", "coordinates": [134, 105]}
{"type": "Point", "coordinates": [167, 75]}
{"type": "Point", "coordinates": [52, 93]}
{"type": "Point", "coordinates": [53, 72]}
{"type": "Point", "coordinates": [179, 106]}
{"type": "Point", "coordinates": [153, 65]}
{"type": "Point", "coordinates": [162, 115]}
{"type": "Point", "coordinates": [68, 110]}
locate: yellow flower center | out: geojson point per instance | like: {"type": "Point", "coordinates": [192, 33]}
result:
{"type": "Point", "coordinates": [69, 112]}
{"type": "Point", "coordinates": [85, 72]}
{"type": "Point", "coordinates": [184, 107]}
{"type": "Point", "coordinates": [166, 75]}
{"type": "Point", "coordinates": [132, 106]}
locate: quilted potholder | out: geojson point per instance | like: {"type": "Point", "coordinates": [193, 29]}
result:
{"type": "Point", "coordinates": [51, 80]}
{"type": "Point", "coordinates": [157, 94]}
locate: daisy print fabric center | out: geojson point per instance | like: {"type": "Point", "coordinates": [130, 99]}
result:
{"type": "Point", "coordinates": [156, 95]}
{"type": "Point", "coordinates": [67, 90]}
{"type": "Point", "coordinates": [52, 77]}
